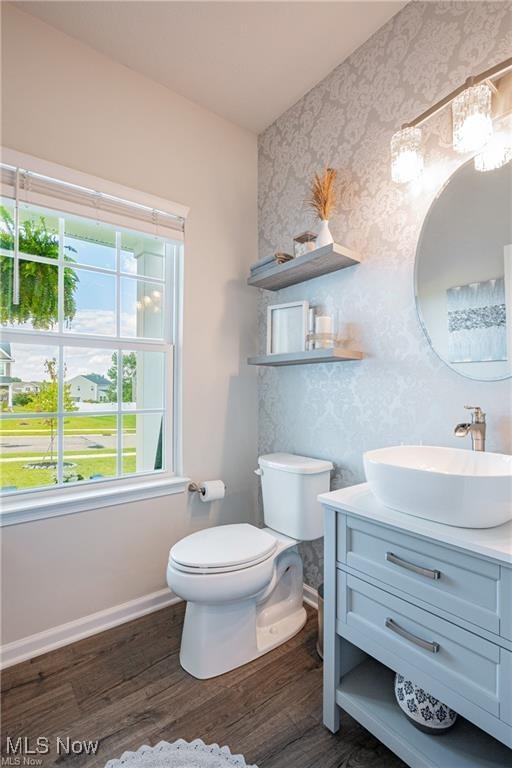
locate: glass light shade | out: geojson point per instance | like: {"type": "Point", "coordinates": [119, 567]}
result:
{"type": "Point", "coordinates": [406, 155]}
{"type": "Point", "coordinates": [472, 122]}
{"type": "Point", "coordinates": [496, 152]}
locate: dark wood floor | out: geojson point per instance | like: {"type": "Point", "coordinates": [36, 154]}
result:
{"type": "Point", "coordinates": [126, 688]}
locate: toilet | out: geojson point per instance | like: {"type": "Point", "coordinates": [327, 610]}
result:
{"type": "Point", "coordinates": [243, 584]}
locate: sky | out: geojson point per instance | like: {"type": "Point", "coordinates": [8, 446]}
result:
{"type": "Point", "coordinates": [29, 361]}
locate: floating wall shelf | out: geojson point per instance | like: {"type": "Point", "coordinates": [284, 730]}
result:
{"type": "Point", "coordinates": [321, 261]}
{"type": "Point", "coordinates": [303, 358]}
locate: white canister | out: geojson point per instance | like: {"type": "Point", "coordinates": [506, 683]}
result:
{"type": "Point", "coordinates": [323, 330]}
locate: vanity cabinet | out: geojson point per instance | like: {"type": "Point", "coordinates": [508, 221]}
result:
{"type": "Point", "coordinates": [432, 602]}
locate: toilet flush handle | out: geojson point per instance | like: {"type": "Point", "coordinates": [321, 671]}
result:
{"type": "Point", "coordinates": [258, 472]}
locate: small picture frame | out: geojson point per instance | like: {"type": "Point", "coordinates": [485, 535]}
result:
{"type": "Point", "coordinates": [287, 327]}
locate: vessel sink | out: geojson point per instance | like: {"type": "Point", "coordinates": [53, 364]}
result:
{"type": "Point", "coordinates": [453, 486]}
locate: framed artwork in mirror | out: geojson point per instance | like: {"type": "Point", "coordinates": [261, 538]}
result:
{"type": "Point", "coordinates": [477, 322]}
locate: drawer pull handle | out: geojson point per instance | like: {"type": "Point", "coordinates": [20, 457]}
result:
{"type": "Point", "coordinates": [394, 627]}
{"type": "Point", "coordinates": [428, 572]}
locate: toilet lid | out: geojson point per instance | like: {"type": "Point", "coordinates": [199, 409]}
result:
{"type": "Point", "coordinates": [225, 547]}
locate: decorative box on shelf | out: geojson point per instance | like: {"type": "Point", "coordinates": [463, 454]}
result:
{"type": "Point", "coordinates": [304, 243]}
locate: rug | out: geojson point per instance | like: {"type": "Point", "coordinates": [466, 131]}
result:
{"type": "Point", "coordinates": [180, 754]}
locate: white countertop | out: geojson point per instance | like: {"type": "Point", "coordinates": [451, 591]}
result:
{"type": "Point", "coordinates": [359, 500]}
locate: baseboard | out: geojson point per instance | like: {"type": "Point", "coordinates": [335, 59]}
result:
{"type": "Point", "coordinates": [310, 596]}
{"type": "Point", "coordinates": [56, 637]}
{"type": "Point", "coordinates": [64, 634]}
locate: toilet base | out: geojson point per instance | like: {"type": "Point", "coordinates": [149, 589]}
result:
{"type": "Point", "coordinates": [220, 637]}
{"type": "Point", "coordinates": [215, 653]}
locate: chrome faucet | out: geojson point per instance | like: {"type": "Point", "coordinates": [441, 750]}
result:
{"type": "Point", "coordinates": [476, 428]}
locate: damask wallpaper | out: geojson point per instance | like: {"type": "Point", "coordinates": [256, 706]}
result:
{"type": "Point", "coordinates": [401, 392]}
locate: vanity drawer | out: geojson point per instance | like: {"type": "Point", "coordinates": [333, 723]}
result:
{"type": "Point", "coordinates": [399, 634]}
{"type": "Point", "coordinates": [462, 585]}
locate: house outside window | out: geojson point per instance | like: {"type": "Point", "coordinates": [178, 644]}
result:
{"type": "Point", "coordinates": [88, 362]}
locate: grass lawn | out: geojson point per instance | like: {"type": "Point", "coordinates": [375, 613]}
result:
{"type": "Point", "coordinates": [100, 461]}
{"type": "Point", "coordinates": [105, 425]}
{"type": "Point", "coordinates": [10, 458]}
{"type": "Point", "coordinates": [15, 473]}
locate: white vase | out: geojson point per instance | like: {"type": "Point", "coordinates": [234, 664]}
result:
{"type": "Point", "coordinates": [324, 234]}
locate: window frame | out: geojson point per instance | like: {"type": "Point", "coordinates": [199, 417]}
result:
{"type": "Point", "coordinates": [29, 504]}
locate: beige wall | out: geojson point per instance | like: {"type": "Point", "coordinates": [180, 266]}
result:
{"type": "Point", "coordinates": [66, 103]}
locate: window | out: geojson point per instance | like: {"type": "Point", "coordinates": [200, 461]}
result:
{"type": "Point", "coordinates": [88, 309]}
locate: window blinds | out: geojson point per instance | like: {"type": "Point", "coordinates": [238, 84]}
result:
{"type": "Point", "coordinates": [47, 192]}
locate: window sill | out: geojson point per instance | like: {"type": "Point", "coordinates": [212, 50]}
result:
{"type": "Point", "coordinates": [16, 511]}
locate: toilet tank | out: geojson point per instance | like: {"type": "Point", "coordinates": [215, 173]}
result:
{"type": "Point", "coordinates": [290, 486]}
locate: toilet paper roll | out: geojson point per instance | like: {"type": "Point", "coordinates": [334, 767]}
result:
{"type": "Point", "coordinates": [211, 490]}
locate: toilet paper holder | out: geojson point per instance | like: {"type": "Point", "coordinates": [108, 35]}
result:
{"type": "Point", "coordinates": [196, 488]}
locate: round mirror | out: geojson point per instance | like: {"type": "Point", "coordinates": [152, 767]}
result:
{"type": "Point", "coordinates": [463, 273]}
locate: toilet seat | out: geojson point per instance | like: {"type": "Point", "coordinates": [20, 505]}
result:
{"type": "Point", "coordinates": [222, 549]}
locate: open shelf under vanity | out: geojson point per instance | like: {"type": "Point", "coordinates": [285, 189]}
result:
{"type": "Point", "coordinates": [366, 693]}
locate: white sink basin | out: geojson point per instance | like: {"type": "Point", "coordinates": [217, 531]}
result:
{"type": "Point", "coordinates": [449, 485]}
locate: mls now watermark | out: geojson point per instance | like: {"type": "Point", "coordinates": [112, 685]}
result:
{"type": "Point", "coordinates": [24, 751]}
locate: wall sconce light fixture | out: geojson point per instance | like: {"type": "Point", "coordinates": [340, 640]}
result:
{"type": "Point", "coordinates": [406, 155]}
{"type": "Point", "coordinates": [473, 129]}
{"type": "Point", "coordinates": [472, 121]}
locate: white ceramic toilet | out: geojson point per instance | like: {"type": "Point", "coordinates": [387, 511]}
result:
{"type": "Point", "coordinates": [242, 584]}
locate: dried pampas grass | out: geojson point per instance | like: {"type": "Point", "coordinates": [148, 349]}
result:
{"type": "Point", "coordinates": [323, 194]}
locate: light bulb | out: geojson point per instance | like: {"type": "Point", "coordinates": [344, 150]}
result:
{"type": "Point", "coordinates": [147, 300]}
{"type": "Point", "coordinates": [496, 152]}
{"type": "Point", "coordinates": [472, 122]}
{"type": "Point", "coordinates": [406, 155]}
